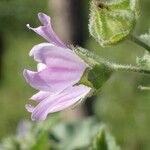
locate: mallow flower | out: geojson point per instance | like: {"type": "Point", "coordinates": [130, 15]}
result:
{"type": "Point", "coordinates": [59, 71]}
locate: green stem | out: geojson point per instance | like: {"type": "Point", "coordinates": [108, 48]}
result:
{"type": "Point", "coordinates": [139, 42]}
{"type": "Point", "coordinates": [144, 88]}
{"type": "Point", "coordinates": [92, 59]}
{"type": "Point", "coordinates": [129, 68]}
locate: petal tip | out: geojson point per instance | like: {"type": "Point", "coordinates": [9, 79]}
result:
{"type": "Point", "coordinates": [40, 14]}
{"type": "Point", "coordinates": [44, 19]}
{"type": "Point", "coordinates": [29, 108]}
{"type": "Point", "coordinates": [27, 75]}
{"type": "Point", "coordinates": [24, 72]}
{"type": "Point", "coordinates": [38, 118]}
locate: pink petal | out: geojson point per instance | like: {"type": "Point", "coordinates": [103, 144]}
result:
{"type": "Point", "coordinates": [29, 108]}
{"type": "Point", "coordinates": [59, 102]}
{"type": "Point", "coordinates": [48, 53]}
{"type": "Point", "coordinates": [58, 68]}
{"type": "Point", "coordinates": [41, 66]}
{"type": "Point", "coordinates": [59, 78]}
{"type": "Point", "coordinates": [63, 68]}
{"type": "Point", "coordinates": [38, 97]}
{"type": "Point", "coordinates": [35, 80]}
{"type": "Point", "coordinates": [46, 31]}
{"type": "Point", "coordinates": [54, 78]}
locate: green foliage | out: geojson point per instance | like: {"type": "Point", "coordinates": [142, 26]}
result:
{"type": "Point", "coordinates": [120, 103]}
{"type": "Point", "coordinates": [77, 135]}
{"type": "Point", "coordinates": [42, 142]}
{"type": "Point", "coordinates": [30, 136]}
{"type": "Point", "coordinates": [112, 20]}
{"type": "Point", "coordinates": [125, 109]}
{"type": "Point", "coordinates": [23, 140]}
{"type": "Point", "coordinates": [69, 136]}
{"type": "Point", "coordinates": [104, 141]}
{"type": "Point", "coordinates": [100, 142]}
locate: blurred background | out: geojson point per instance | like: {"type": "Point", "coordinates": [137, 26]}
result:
{"type": "Point", "coordinates": [120, 104]}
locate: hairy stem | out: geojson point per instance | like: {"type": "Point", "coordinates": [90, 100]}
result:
{"type": "Point", "coordinates": [144, 88]}
{"type": "Point", "coordinates": [129, 68]}
{"type": "Point", "coordinates": [121, 67]}
{"type": "Point", "coordinates": [92, 59]}
{"type": "Point", "coordinates": [139, 42]}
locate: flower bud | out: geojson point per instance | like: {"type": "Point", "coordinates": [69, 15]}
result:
{"type": "Point", "coordinates": [112, 20]}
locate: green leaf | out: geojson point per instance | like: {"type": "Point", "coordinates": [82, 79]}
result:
{"type": "Point", "coordinates": [77, 135]}
{"type": "Point", "coordinates": [112, 20]}
{"type": "Point", "coordinates": [100, 142]}
{"type": "Point", "coordinates": [104, 141]}
{"type": "Point", "coordinates": [42, 142]}
{"type": "Point", "coordinates": [31, 136]}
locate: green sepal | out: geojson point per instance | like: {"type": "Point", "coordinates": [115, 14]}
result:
{"type": "Point", "coordinates": [97, 72]}
{"type": "Point", "coordinates": [112, 20]}
{"type": "Point", "coordinates": [84, 79]}
{"type": "Point", "coordinates": [98, 75]}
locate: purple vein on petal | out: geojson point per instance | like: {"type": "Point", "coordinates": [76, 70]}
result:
{"type": "Point", "coordinates": [65, 99]}
{"type": "Point", "coordinates": [64, 69]}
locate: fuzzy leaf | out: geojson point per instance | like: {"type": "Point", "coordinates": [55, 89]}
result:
{"type": "Point", "coordinates": [42, 142]}
{"type": "Point", "coordinates": [77, 135]}
{"type": "Point", "coordinates": [112, 20]}
{"type": "Point", "coordinates": [104, 141]}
